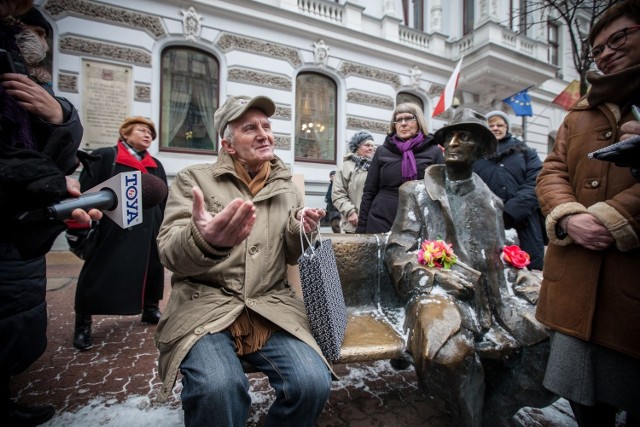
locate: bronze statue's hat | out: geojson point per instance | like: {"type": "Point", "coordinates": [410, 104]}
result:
{"type": "Point", "coordinates": [471, 121]}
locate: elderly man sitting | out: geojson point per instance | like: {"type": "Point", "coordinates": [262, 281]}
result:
{"type": "Point", "coordinates": [229, 231]}
{"type": "Point", "coordinates": [475, 343]}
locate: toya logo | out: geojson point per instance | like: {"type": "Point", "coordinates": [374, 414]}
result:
{"type": "Point", "coordinates": [132, 202]}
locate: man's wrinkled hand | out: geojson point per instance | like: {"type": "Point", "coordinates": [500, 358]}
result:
{"type": "Point", "coordinates": [227, 228]}
{"type": "Point", "coordinates": [310, 218]}
{"type": "Point", "coordinates": [32, 97]}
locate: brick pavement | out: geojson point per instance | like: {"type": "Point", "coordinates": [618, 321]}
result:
{"type": "Point", "coordinates": [123, 364]}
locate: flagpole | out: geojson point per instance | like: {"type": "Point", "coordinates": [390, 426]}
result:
{"type": "Point", "coordinates": [524, 128]}
{"type": "Point", "coordinates": [539, 114]}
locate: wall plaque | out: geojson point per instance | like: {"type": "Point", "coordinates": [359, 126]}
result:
{"type": "Point", "coordinates": [107, 96]}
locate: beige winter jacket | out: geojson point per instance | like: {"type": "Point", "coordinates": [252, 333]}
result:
{"type": "Point", "coordinates": [346, 194]}
{"type": "Point", "coordinates": [210, 288]}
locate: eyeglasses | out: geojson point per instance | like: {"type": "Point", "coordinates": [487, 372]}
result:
{"type": "Point", "coordinates": [614, 42]}
{"type": "Point", "coordinates": [409, 119]}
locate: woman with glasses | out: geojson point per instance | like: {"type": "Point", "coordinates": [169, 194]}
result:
{"type": "Point", "coordinates": [407, 151]}
{"type": "Point", "coordinates": [348, 183]}
{"type": "Point", "coordinates": [590, 296]}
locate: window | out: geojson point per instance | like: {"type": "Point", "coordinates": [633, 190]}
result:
{"type": "Point", "coordinates": [189, 99]}
{"type": "Point", "coordinates": [418, 14]}
{"type": "Point", "coordinates": [552, 39]}
{"type": "Point", "coordinates": [408, 97]}
{"type": "Point", "coordinates": [315, 118]}
{"type": "Point", "coordinates": [468, 16]}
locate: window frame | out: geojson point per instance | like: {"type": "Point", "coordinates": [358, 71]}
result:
{"type": "Point", "coordinates": [216, 139]}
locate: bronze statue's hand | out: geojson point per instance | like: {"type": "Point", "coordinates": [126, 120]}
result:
{"type": "Point", "coordinates": [453, 283]}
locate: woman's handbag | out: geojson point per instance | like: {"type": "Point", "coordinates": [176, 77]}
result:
{"type": "Point", "coordinates": [82, 238]}
{"type": "Point", "coordinates": [322, 294]}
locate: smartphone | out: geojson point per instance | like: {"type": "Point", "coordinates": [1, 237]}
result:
{"type": "Point", "coordinates": [11, 63]}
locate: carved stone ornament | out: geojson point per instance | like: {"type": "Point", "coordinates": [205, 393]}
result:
{"type": "Point", "coordinates": [415, 74]}
{"type": "Point", "coordinates": [321, 53]}
{"type": "Point", "coordinates": [191, 24]}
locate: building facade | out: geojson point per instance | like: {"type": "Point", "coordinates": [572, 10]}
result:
{"type": "Point", "coordinates": [332, 67]}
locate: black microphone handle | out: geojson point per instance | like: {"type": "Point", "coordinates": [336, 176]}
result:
{"type": "Point", "coordinates": [104, 200]}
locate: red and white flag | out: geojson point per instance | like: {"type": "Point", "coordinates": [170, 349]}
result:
{"type": "Point", "coordinates": [446, 99]}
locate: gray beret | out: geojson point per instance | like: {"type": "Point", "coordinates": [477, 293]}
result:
{"type": "Point", "coordinates": [500, 114]}
{"type": "Point", "coordinates": [358, 139]}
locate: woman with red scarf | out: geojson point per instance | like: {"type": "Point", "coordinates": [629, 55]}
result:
{"type": "Point", "coordinates": [123, 275]}
{"type": "Point", "coordinates": [405, 154]}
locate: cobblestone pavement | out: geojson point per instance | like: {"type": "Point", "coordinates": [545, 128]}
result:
{"type": "Point", "coordinates": [123, 363]}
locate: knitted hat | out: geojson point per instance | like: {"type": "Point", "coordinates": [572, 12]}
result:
{"type": "Point", "coordinates": [358, 139]}
{"type": "Point", "coordinates": [332, 173]}
{"type": "Point", "coordinates": [236, 106]}
{"type": "Point", "coordinates": [500, 114]}
{"type": "Point", "coordinates": [128, 123]}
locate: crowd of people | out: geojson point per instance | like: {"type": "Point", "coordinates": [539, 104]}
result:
{"type": "Point", "coordinates": [228, 230]}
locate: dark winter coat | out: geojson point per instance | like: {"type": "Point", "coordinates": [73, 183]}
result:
{"type": "Point", "coordinates": [30, 180]}
{"type": "Point", "coordinates": [125, 269]}
{"type": "Point", "coordinates": [380, 197]}
{"type": "Point", "coordinates": [593, 295]}
{"type": "Point", "coordinates": [511, 174]}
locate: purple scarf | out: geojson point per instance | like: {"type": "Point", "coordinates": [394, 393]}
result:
{"type": "Point", "coordinates": [409, 168]}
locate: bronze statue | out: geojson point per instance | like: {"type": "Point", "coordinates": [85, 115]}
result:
{"type": "Point", "coordinates": [472, 329]}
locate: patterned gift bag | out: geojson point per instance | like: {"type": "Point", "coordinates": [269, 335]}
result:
{"type": "Point", "coordinates": [322, 293]}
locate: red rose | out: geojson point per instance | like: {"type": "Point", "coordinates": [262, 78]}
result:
{"type": "Point", "coordinates": [515, 256]}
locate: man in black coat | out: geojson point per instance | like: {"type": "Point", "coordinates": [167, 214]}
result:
{"type": "Point", "coordinates": [511, 174]}
{"type": "Point", "coordinates": [39, 138]}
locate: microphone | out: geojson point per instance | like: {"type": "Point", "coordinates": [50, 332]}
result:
{"type": "Point", "coordinates": [121, 198]}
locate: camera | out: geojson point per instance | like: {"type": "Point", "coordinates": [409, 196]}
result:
{"type": "Point", "coordinates": [11, 62]}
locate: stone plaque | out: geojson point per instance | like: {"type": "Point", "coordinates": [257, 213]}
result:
{"type": "Point", "coordinates": [107, 96]}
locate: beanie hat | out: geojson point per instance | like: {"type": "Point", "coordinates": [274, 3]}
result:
{"type": "Point", "coordinates": [358, 139]}
{"type": "Point", "coordinates": [128, 123]}
{"type": "Point", "coordinates": [500, 114]}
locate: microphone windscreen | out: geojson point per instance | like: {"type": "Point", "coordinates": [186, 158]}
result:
{"type": "Point", "coordinates": [154, 190]}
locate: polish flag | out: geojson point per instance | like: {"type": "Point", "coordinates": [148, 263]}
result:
{"type": "Point", "coordinates": [446, 99]}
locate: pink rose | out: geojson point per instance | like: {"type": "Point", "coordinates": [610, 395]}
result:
{"type": "Point", "coordinates": [515, 256]}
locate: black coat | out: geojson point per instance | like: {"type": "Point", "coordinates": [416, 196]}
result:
{"type": "Point", "coordinates": [125, 269]}
{"type": "Point", "coordinates": [380, 197]}
{"type": "Point", "coordinates": [511, 174]}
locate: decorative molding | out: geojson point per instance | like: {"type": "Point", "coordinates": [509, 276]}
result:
{"type": "Point", "coordinates": [370, 99]}
{"type": "Point", "coordinates": [191, 24]}
{"type": "Point", "coordinates": [415, 74]}
{"type": "Point", "coordinates": [376, 126]}
{"type": "Point", "coordinates": [320, 53]}
{"type": "Point", "coordinates": [68, 83]}
{"type": "Point", "coordinates": [282, 141]}
{"type": "Point", "coordinates": [141, 21]}
{"type": "Point", "coordinates": [82, 46]}
{"type": "Point", "coordinates": [351, 68]}
{"type": "Point", "coordinates": [259, 78]}
{"type": "Point", "coordinates": [229, 42]}
{"type": "Point", "coordinates": [435, 89]}
{"type": "Point", "coordinates": [142, 93]}
{"type": "Point", "coordinates": [283, 112]}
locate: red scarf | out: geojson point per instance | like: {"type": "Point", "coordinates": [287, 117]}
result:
{"type": "Point", "coordinates": [124, 157]}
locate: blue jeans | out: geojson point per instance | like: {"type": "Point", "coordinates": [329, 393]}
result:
{"type": "Point", "coordinates": [216, 390]}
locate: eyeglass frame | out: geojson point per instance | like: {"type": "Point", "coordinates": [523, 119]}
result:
{"type": "Point", "coordinates": [407, 120]}
{"type": "Point", "coordinates": [624, 31]}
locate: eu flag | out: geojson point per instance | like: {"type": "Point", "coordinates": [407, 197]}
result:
{"type": "Point", "coordinates": [520, 103]}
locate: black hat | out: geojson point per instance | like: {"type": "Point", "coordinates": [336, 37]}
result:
{"type": "Point", "coordinates": [474, 122]}
{"type": "Point", "coordinates": [35, 18]}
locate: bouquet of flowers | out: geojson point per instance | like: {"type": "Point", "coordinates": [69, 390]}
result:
{"type": "Point", "coordinates": [436, 253]}
{"type": "Point", "coordinates": [515, 256]}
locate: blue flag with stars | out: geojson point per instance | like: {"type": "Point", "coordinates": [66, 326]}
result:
{"type": "Point", "coordinates": [520, 103]}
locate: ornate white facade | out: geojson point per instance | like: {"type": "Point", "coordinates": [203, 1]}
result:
{"type": "Point", "coordinates": [362, 45]}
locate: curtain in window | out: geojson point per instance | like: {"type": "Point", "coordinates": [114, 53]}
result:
{"type": "Point", "coordinates": [315, 118]}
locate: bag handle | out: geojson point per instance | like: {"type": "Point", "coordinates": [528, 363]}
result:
{"type": "Point", "coordinates": [306, 238]}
